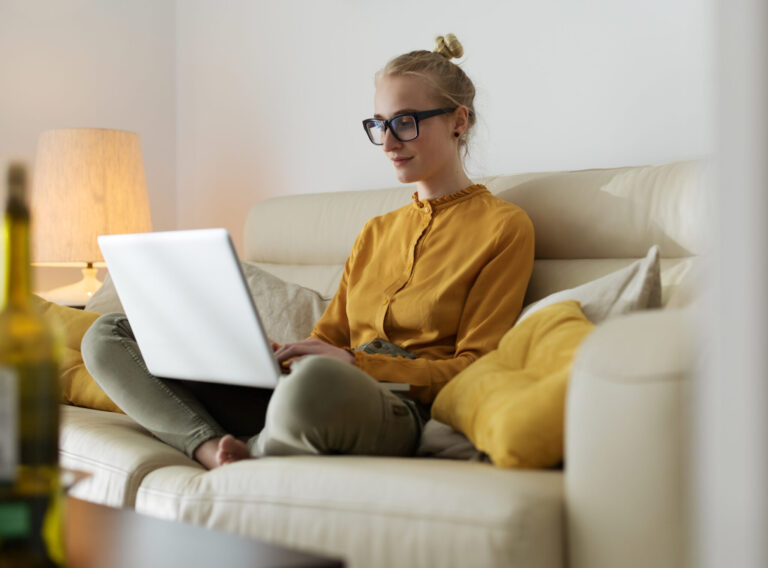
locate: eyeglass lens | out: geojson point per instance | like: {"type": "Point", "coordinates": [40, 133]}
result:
{"type": "Point", "coordinates": [403, 126]}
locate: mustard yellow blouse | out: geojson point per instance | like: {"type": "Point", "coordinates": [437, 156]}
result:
{"type": "Point", "coordinates": [442, 278]}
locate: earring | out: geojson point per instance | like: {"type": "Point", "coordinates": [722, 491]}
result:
{"type": "Point", "coordinates": [456, 134]}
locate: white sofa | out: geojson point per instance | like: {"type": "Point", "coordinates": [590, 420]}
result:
{"type": "Point", "coordinates": [618, 501]}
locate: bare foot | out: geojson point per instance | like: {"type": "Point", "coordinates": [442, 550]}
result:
{"type": "Point", "coordinates": [231, 450]}
{"type": "Point", "coordinates": [206, 453]}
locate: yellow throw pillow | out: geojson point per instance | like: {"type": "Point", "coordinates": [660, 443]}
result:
{"type": "Point", "coordinates": [511, 402]}
{"type": "Point", "coordinates": [77, 384]}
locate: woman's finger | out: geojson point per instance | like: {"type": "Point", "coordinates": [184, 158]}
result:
{"type": "Point", "coordinates": [311, 346]}
{"type": "Point", "coordinates": [286, 346]}
{"type": "Point", "coordinates": [295, 349]}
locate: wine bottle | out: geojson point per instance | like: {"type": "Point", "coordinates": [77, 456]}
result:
{"type": "Point", "coordinates": [30, 512]}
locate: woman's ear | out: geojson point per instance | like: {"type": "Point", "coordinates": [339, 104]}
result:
{"type": "Point", "coordinates": [460, 120]}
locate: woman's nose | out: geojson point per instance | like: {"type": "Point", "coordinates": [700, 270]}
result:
{"type": "Point", "coordinates": [388, 141]}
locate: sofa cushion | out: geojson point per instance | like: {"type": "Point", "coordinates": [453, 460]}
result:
{"type": "Point", "coordinates": [615, 212]}
{"type": "Point", "coordinates": [635, 286]}
{"type": "Point", "coordinates": [374, 511]}
{"type": "Point", "coordinates": [77, 385]}
{"type": "Point", "coordinates": [115, 451]}
{"type": "Point", "coordinates": [604, 213]}
{"type": "Point", "coordinates": [588, 223]}
{"type": "Point", "coordinates": [511, 402]}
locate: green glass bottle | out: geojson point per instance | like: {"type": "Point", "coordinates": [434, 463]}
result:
{"type": "Point", "coordinates": [30, 512]}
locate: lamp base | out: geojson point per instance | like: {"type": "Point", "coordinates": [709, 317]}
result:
{"type": "Point", "coordinates": [76, 294]}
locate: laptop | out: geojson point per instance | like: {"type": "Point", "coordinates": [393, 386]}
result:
{"type": "Point", "coordinates": [190, 308]}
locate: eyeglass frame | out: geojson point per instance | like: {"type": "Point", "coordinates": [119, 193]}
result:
{"type": "Point", "coordinates": [417, 116]}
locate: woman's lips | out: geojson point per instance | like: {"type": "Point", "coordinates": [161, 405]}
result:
{"type": "Point", "coordinates": [400, 161]}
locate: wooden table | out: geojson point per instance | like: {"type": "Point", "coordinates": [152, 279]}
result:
{"type": "Point", "coordinates": [100, 536]}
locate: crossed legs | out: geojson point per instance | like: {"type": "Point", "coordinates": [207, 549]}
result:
{"type": "Point", "coordinates": [324, 406]}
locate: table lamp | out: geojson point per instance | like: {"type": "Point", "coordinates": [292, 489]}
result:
{"type": "Point", "coordinates": [88, 182]}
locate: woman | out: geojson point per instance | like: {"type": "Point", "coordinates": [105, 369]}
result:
{"type": "Point", "coordinates": [427, 289]}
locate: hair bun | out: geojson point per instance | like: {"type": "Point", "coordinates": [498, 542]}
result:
{"type": "Point", "coordinates": [448, 46]}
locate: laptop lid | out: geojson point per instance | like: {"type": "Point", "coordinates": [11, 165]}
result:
{"type": "Point", "coordinates": [189, 306]}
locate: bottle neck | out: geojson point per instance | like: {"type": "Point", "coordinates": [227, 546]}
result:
{"type": "Point", "coordinates": [18, 286]}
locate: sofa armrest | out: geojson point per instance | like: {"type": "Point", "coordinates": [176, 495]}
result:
{"type": "Point", "coordinates": [627, 442]}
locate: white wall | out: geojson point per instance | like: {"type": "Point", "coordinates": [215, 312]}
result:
{"type": "Point", "coordinates": [271, 94]}
{"type": "Point", "coordinates": [89, 63]}
{"type": "Point", "coordinates": [237, 101]}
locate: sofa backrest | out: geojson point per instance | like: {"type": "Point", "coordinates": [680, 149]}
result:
{"type": "Point", "coordinates": [588, 223]}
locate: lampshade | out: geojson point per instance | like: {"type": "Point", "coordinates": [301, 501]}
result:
{"type": "Point", "coordinates": [88, 182]}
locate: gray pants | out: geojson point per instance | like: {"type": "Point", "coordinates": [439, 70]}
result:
{"type": "Point", "coordinates": [324, 406]}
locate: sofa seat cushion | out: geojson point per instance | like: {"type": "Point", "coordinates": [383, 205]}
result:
{"type": "Point", "coordinates": [115, 451]}
{"type": "Point", "coordinates": [374, 511]}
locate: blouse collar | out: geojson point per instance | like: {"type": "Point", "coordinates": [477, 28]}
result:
{"type": "Point", "coordinates": [450, 198]}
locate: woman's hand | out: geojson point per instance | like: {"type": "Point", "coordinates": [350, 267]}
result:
{"type": "Point", "coordinates": [298, 349]}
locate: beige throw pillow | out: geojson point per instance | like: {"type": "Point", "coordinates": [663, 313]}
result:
{"type": "Point", "coordinates": [634, 287]}
{"type": "Point", "coordinates": [105, 300]}
{"type": "Point", "coordinates": [288, 311]}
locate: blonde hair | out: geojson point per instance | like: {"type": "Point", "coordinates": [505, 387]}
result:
{"type": "Point", "coordinates": [450, 85]}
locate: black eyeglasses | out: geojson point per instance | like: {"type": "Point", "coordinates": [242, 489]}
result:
{"type": "Point", "coordinates": [404, 127]}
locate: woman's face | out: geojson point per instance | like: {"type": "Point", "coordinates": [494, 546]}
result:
{"type": "Point", "coordinates": [434, 152]}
